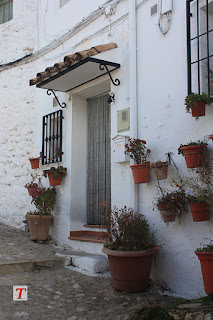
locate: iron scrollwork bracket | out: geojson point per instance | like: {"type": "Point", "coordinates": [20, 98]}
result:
{"type": "Point", "coordinates": [116, 82]}
{"type": "Point", "coordinates": [63, 104]}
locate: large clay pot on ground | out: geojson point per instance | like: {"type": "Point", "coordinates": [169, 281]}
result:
{"type": "Point", "coordinates": [34, 163]}
{"type": "Point", "coordinates": [141, 172]}
{"type": "Point", "coordinates": [198, 109]}
{"type": "Point", "coordinates": [160, 169]}
{"type": "Point", "coordinates": [130, 270]}
{"type": "Point", "coordinates": [193, 154]}
{"type": "Point", "coordinates": [166, 213]}
{"type": "Point", "coordinates": [206, 261]}
{"type": "Point", "coordinates": [39, 226]}
{"type": "Point", "coordinates": [54, 181]}
{"type": "Point", "coordinates": [200, 211]}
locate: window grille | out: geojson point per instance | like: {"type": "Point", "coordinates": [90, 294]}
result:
{"type": "Point", "coordinates": [6, 10]}
{"type": "Point", "coordinates": [52, 137]}
{"type": "Point", "coordinates": [199, 45]}
{"type": "Point", "coordinates": [63, 2]}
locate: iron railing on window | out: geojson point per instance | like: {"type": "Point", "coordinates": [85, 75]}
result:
{"type": "Point", "coordinates": [6, 10]}
{"type": "Point", "coordinates": [199, 45]}
{"type": "Point", "coordinates": [52, 137]}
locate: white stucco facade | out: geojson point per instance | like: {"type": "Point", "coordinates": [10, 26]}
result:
{"type": "Point", "coordinates": [50, 33]}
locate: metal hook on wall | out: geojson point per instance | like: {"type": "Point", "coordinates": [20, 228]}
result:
{"type": "Point", "coordinates": [49, 92]}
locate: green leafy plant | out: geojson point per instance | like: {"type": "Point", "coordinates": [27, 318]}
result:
{"type": "Point", "coordinates": [193, 98]}
{"type": "Point", "coordinates": [206, 247]}
{"type": "Point", "coordinates": [189, 144]}
{"type": "Point", "coordinates": [44, 200]}
{"type": "Point", "coordinates": [137, 150]}
{"type": "Point", "coordinates": [127, 230]}
{"type": "Point", "coordinates": [56, 171]}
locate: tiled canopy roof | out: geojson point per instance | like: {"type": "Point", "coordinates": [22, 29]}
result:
{"type": "Point", "coordinates": [69, 60]}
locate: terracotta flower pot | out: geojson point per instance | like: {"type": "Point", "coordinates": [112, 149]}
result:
{"type": "Point", "coordinates": [160, 169]}
{"type": "Point", "coordinates": [198, 109]}
{"type": "Point", "coordinates": [54, 181]}
{"type": "Point", "coordinates": [130, 270]}
{"type": "Point", "coordinates": [141, 172]}
{"type": "Point", "coordinates": [193, 155]}
{"type": "Point", "coordinates": [200, 211]}
{"type": "Point", "coordinates": [206, 261]}
{"type": "Point", "coordinates": [39, 226]}
{"type": "Point", "coordinates": [34, 163]}
{"type": "Point", "coordinates": [32, 191]}
{"type": "Point", "coordinates": [166, 214]}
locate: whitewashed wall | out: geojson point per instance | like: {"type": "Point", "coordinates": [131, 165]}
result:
{"type": "Point", "coordinates": [162, 121]}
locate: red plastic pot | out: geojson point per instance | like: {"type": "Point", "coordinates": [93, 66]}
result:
{"type": "Point", "coordinates": [54, 181]}
{"type": "Point", "coordinates": [130, 270]}
{"type": "Point", "coordinates": [34, 163]}
{"type": "Point", "coordinates": [141, 172]}
{"type": "Point", "coordinates": [166, 214]}
{"type": "Point", "coordinates": [198, 109]}
{"type": "Point", "coordinates": [206, 261]}
{"type": "Point", "coordinates": [32, 191]}
{"type": "Point", "coordinates": [160, 169]}
{"type": "Point", "coordinates": [193, 154]}
{"type": "Point", "coordinates": [200, 211]}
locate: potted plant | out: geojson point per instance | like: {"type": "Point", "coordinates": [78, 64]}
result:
{"type": "Point", "coordinates": [205, 255]}
{"type": "Point", "coordinates": [130, 248]}
{"type": "Point", "coordinates": [138, 151]}
{"type": "Point", "coordinates": [34, 162]}
{"type": "Point", "coordinates": [55, 175]}
{"type": "Point", "coordinates": [32, 188]}
{"type": "Point", "coordinates": [39, 220]}
{"type": "Point", "coordinates": [171, 204]}
{"type": "Point", "coordinates": [193, 153]}
{"type": "Point", "coordinates": [200, 207]}
{"type": "Point", "coordinates": [160, 169]}
{"type": "Point", "coordinates": [195, 104]}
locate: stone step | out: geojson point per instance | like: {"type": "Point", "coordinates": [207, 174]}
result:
{"type": "Point", "coordinates": [29, 266]}
{"type": "Point", "coordinates": [89, 236]}
{"type": "Point", "coordinates": [92, 264]}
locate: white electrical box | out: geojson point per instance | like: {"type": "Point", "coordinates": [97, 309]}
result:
{"type": "Point", "coordinates": [118, 154]}
{"type": "Point", "coordinates": [166, 6]}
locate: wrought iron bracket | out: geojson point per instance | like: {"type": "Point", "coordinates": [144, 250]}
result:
{"type": "Point", "coordinates": [116, 82]}
{"type": "Point", "coordinates": [111, 97]}
{"type": "Point", "coordinates": [169, 159]}
{"type": "Point", "coordinates": [62, 105]}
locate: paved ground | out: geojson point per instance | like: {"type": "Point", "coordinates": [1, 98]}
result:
{"type": "Point", "coordinates": [65, 294]}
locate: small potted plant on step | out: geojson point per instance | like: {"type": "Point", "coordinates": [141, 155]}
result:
{"type": "Point", "coordinates": [205, 255]}
{"type": "Point", "coordinates": [193, 153]}
{"type": "Point", "coordinates": [138, 151]}
{"type": "Point", "coordinates": [55, 175]}
{"type": "Point", "coordinates": [130, 249]}
{"type": "Point", "coordinates": [171, 203]}
{"type": "Point", "coordinates": [32, 188]}
{"type": "Point", "coordinates": [39, 220]}
{"type": "Point", "coordinates": [195, 104]}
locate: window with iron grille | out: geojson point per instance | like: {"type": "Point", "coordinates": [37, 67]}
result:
{"type": "Point", "coordinates": [200, 45]}
{"type": "Point", "coordinates": [52, 137]}
{"type": "Point", "coordinates": [6, 10]}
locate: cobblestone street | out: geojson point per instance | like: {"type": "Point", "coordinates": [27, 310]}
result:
{"type": "Point", "coordinates": [62, 293]}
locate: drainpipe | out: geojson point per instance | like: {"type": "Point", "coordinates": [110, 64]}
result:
{"type": "Point", "coordinates": [133, 91]}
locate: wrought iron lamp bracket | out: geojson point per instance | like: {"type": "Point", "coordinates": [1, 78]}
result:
{"type": "Point", "coordinates": [62, 105]}
{"type": "Point", "coordinates": [116, 82]}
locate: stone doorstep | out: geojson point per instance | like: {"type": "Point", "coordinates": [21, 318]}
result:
{"type": "Point", "coordinates": [89, 236]}
{"type": "Point", "coordinates": [29, 266]}
{"type": "Point", "coordinates": [86, 262]}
